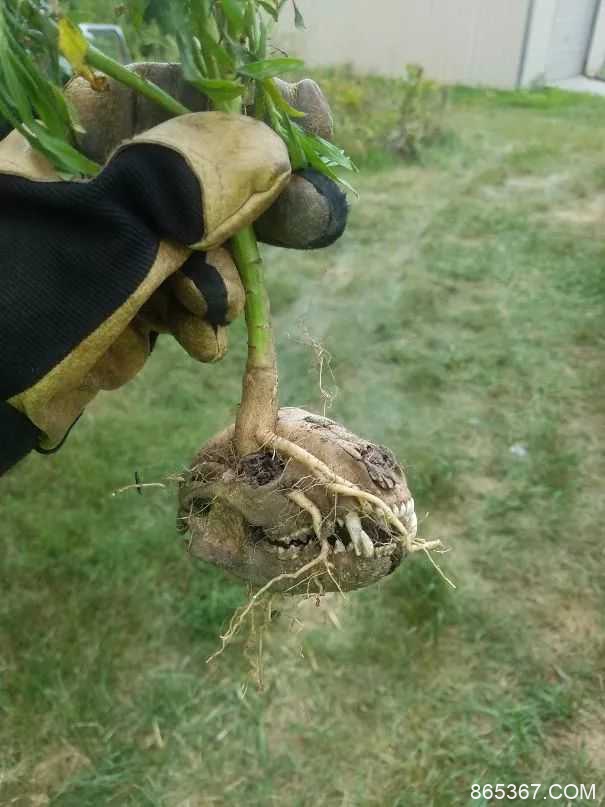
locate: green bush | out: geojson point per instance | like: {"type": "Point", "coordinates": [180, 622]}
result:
{"type": "Point", "coordinates": [141, 22]}
{"type": "Point", "coordinates": [378, 119]}
{"type": "Point", "coordinates": [421, 114]}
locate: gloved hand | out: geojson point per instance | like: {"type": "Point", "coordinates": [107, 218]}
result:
{"type": "Point", "coordinates": [93, 271]}
{"type": "Point", "coordinates": [311, 212]}
{"type": "Point", "coordinates": [82, 261]}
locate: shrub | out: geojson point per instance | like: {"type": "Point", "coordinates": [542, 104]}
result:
{"type": "Point", "coordinates": [422, 113]}
{"type": "Point", "coordinates": [376, 116]}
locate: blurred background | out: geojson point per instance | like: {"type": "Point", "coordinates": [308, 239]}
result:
{"type": "Point", "coordinates": [461, 323]}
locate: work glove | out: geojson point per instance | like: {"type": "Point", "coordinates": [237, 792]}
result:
{"type": "Point", "coordinates": [93, 271]}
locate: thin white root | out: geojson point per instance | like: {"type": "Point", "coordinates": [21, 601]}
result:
{"type": "Point", "coordinates": [340, 486]}
{"type": "Point", "coordinates": [239, 617]}
{"type": "Point", "coordinates": [364, 498]}
{"type": "Point", "coordinates": [138, 486]}
{"type": "Point", "coordinates": [407, 514]}
{"type": "Point", "coordinates": [361, 540]}
{"type": "Point", "coordinates": [320, 470]}
{"type": "Point", "coordinates": [440, 570]}
{"type": "Point", "coordinates": [299, 498]}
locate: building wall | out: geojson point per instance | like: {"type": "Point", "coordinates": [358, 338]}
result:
{"type": "Point", "coordinates": [595, 64]}
{"type": "Point", "coordinates": [477, 42]}
{"type": "Point", "coordinates": [538, 42]}
{"type": "Point", "coordinates": [572, 31]}
{"type": "Point", "coordinates": [551, 34]}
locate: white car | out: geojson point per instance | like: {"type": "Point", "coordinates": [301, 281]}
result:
{"type": "Point", "coordinates": [108, 38]}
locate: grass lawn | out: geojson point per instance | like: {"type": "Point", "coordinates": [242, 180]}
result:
{"type": "Point", "coordinates": [463, 313]}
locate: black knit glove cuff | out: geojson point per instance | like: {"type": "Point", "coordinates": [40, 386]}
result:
{"type": "Point", "coordinates": [18, 436]}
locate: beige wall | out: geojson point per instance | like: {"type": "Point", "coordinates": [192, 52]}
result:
{"type": "Point", "coordinates": [538, 44]}
{"type": "Point", "coordinates": [458, 41]}
{"type": "Point", "coordinates": [596, 54]}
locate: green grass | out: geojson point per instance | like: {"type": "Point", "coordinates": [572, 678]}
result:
{"type": "Point", "coordinates": [463, 313]}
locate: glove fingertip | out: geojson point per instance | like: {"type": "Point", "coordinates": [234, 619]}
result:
{"type": "Point", "coordinates": [203, 342]}
{"type": "Point", "coordinates": [337, 204]}
{"type": "Point", "coordinates": [310, 214]}
{"type": "Point", "coordinates": [208, 286]}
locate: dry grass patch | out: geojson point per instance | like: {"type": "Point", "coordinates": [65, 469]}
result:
{"type": "Point", "coordinates": [584, 213]}
{"type": "Point", "coordinates": [52, 773]}
{"type": "Point", "coordinates": [585, 737]}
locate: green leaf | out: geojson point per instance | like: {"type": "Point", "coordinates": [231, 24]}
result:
{"type": "Point", "coordinates": [45, 98]}
{"type": "Point", "coordinates": [219, 89]}
{"type": "Point", "coordinates": [135, 10]}
{"type": "Point", "coordinates": [329, 172]}
{"type": "Point", "coordinates": [6, 110]}
{"type": "Point", "coordinates": [299, 21]}
{"type": "Point", "coordinates": [261, 50]}
{"type": "Point", "coordinates": [280, 102]}
{"type": "Point", "coordinates": [329, 153]}
{"type": "Point", "coordinates": [192, 68]}
{"type": "Point", "coordinates": [251, 25]}
{"type": "Point", "coordinates": [65, 158]}
{"type": "Point", "coordinates": [269, 7]}
{"type": "Point", "coordinates": [41, 100]}
{"type": "Point", "coordinates": [269, 68]}
{"type": "Point", "coordinates": [325, 157]}
{"type": "Point", "coordinates": [200, 10]}
{"type": "Point", "coordinates": [28, 100]}
{"type": "Point", "coordinates": [212, 48]}
{"type": "Point", "coordinates": [14, 87]}
{"type": "Point", "coordinates": [296, 151]}
{"type": "Point", "coordinates": [235, 14]}
{"type": "Point", "coordinates": [62, 155]}
{"type": "Point", "coordinates": [73, 44]}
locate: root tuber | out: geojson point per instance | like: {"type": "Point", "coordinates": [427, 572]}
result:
{"type": "Point", "coordinates": [314, 491]}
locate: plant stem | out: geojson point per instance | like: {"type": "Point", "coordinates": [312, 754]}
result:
{"type": "Point", "coordinates": [257, 413]}
{"type": "Point", "coordinates": [131, 79]}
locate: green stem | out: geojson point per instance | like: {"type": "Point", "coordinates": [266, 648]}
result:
{"type": "Point", "coordinates": [257, 413]}
{"type": "Point", "coordinates": [131, 79]}
{"type": "Point", "coordinates": [250, 266]}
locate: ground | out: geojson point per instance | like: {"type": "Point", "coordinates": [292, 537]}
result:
{"type": "Point", "coordinates": [463, 313]}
